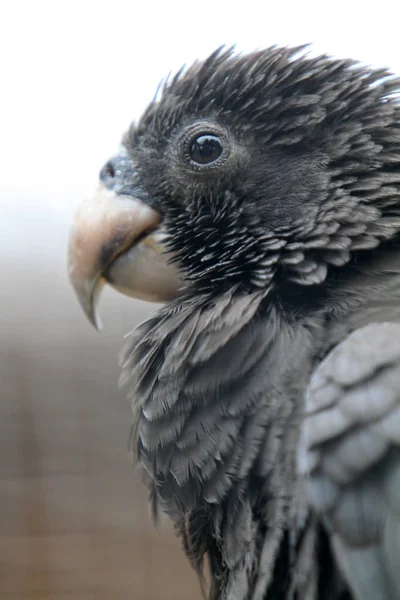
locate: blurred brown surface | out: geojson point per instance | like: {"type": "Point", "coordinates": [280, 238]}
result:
{"type": "Point", "coordinates": [74, 513]}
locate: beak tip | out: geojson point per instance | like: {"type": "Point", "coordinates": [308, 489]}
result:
{"type": "Point", "coordinates": [90, 312]}
{"type": "Point", "coordinates": [88, 298]}
{"type": "Point", "coordinates": [91, 309]}
{"type": "Point", "coordinates": [95, 320]}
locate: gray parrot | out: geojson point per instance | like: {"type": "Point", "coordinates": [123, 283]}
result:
{"type": "Point", "coordinates": [258, 198]}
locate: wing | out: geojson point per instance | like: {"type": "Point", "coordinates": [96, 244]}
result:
{"type": "Point", "coordinates": [350, 453]}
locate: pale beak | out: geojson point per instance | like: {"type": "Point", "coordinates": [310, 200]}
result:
{"type": "Point", "coordinates": [117, 238]}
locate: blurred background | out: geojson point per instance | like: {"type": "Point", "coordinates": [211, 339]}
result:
{"type": "Point", "coordinates": [74, 520]}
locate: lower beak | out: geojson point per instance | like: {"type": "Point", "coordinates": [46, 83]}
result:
{"type": "Point", "coordinates": [118, 239]}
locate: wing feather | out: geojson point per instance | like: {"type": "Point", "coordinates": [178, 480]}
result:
{"type": "Point", "coordinates": [351, 436]}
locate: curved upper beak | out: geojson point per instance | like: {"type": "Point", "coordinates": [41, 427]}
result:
{"type": "Point", "coordinates": [117, 238]}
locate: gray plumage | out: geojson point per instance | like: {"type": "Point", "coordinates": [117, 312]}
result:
{"type": "Point", "coordinates": [350, 451]}
{"type": "Point", "coordinates": [289, 489]}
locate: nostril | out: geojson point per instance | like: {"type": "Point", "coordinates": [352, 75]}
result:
{"type": "Point", "coordinates": [117, 174]}
{"type": "Point", "coordinates": [110, 169]}
{"type": "Point", "coordinates": [107, 173]}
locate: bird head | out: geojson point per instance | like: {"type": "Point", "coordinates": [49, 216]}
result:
{"type": "Point", "coordinates": [244, 171]}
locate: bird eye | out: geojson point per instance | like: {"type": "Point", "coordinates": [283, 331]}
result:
{"type": "Point", "coordinates": [205, 149]}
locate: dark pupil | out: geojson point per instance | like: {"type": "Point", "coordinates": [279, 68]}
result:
{"type": "Point", "coordinates": [205, 149]}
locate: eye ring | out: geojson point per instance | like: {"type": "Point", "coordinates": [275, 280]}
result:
{"type": "Point", "coordinates": [205, 146]}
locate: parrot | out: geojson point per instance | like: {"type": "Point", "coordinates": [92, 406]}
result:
{"type": "Point", "coordinates": [257, 199]}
